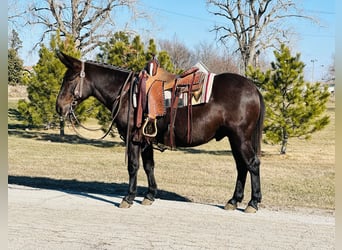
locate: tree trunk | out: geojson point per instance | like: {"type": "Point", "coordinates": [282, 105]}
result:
{"type": "Point", "coordinates": [61, 126]}
{"type": "Point", "coordinates": [284, 143]}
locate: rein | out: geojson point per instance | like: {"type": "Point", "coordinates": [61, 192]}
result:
{"type": "Point", "coordinates": [115, 111]}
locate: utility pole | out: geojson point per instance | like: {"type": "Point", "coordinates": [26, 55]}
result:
{"type": "Point", "coordinates": [313, 69]}
{"type": "Point", "coordinates": [322, 66]}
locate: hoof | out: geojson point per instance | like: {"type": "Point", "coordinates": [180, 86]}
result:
{"type": "Point", "coordinates": [124, 204]}
{"type": "Point", "coordinates": [230, 206]}
{"type": "Point", "coordinates": [146, 202]}
{"type": "Point", "coordinates": [250, 210]}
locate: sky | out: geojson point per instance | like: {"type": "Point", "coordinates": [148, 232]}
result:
{"type": "Point", "coordinates": [190, 22]}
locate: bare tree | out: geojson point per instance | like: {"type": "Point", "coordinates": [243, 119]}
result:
{"type": "Point", "coordinates": [254, 25]}
{"type": "Point", "coordinates": [181, 56]}
{"type": "Point", "coordinates": [331, 70]}
{"type": "Point", "coordinates": [218, 60]}
{"type": "Point", "coordinates": [89, 22]}
{"type": "Point", "coordinates": [14, 15]}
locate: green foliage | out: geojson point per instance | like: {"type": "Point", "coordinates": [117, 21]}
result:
{"type": "Point", "coordinates": [294, 108]}
{"type": "Point", "coordinates": [119, 51]}
{"type": "Point", "coordinates": [165, 60]}
{"type": "Point", "coordinates": [15, 64]}
{"type": "Point", "coordinates": [44, 84]}
{"type": "Point", "coordinates": [42, 89]}
{"type": "Point", "coordinates": [132, 54]}
{"type": "Point", "coordinates": [15, 68]}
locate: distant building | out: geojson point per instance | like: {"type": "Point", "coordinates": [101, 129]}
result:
{"type": "Point", "coordinates": [331, 85]}
{"type": "Point", "coordinates": [28, 69]}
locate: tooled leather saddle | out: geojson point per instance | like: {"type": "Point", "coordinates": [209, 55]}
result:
{"type": "Point", "coordinates": [153, 84]}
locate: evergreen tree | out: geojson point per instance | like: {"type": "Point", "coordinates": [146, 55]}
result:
{"type": "Point", "coordinates": [15, 64]}
{"type": "Point", "coordinates": [128, 53]}
{"type": "Point", "coordinates": [165, 60]}
{"type": "Point", "coordinates": [151, 49]}
{"type": "Point", "coordinates": [42, 91]}
{"type": "Point", "coordinates": [15, 42]}
{"type": "Point", "coordinates": [15, 67]}
{"type": "Point", "coordinates": [294, 108]}
{"type": "Point", "coordinates": [44, 85]}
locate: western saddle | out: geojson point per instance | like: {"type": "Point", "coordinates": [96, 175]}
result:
{"type": "Point", "coordinates": [152, 84]}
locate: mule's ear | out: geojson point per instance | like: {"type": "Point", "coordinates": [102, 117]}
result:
{"type": "Point", "coordinates": [69, 61]}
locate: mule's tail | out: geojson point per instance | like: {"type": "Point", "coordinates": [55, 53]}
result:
{"type": "Point", "coordinates": [257, 135]}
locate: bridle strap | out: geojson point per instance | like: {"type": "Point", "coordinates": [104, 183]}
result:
{"type": "Point", "coordinates": [82, 75]}
{"type": "Point", "coordinates": [79, 88]}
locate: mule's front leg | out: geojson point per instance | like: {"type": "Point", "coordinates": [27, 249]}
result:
{"type": "Point", "coordinates": [148, 162]}
{"type": "Point", "coordinates": [133, 166]}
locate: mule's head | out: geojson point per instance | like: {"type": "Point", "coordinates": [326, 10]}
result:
{"type": "Point", "coordinates": [74, 88]}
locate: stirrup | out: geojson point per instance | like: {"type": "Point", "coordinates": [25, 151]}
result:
{"type": "Point", "coordinates": [155, 128]}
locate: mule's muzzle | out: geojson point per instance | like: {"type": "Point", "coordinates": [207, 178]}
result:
{"type": "Point", "coordinates": [60, 110]}
{"type": "Point", "coordinates": [63, 110]}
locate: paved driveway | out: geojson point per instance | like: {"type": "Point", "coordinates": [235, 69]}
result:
{"type": "Point", "coordinates": [52, 219]}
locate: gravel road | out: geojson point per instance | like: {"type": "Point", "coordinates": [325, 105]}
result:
{"type": "Point", "coordinates": [57, 219]}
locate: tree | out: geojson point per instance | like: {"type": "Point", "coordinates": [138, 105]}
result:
{"type": "Point", "coordinates": [14, 42]}
{"type": "Point", "coordinates": [15, 67]}
{"type": "Point", "coordinates": [331, 71]}
{"type": "Point", "coordinates": [15, 64]}
{"type": "Point", "coordinates": [131, 53]}
{"type": "Point", "coordinates": [44, 85]}
{"type": "Point", "coordinates": [125, 52]}
{"type": "Point", "coordinates": [253, 25]}
{"type": "Point", "coordinates": [217, 60]}
{"type": "Point", "coordinates": [180, 55]}
{"type": "Point", "coordinates": [88, 22]}
{"type": "Point", "coordinates": [294, 108]}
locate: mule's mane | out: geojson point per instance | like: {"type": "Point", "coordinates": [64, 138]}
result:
{"type": "Point", "coordinates": [108, 66]}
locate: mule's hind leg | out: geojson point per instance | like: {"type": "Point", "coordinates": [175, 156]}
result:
{"type": "Point", "coordinates": [246, 161]}
{"type": "Point", "coordinates": [239, 187]}
{"type": "Point", "coordinates": [148, 162]}
{"type": "Point", "coordinates": [241, 175]}
{"type": "Point", "coordinates": [254, 170]}
{"type": "Point", "coordinates": [133, 166]}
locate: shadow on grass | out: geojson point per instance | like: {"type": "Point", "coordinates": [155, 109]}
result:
{"type": "Point", "coordinates": [19, 130]}
{"type": "Point", "coordinates": [88, 189]}
{"type": "Point", "coordinates": [205, 151]}
{"type": "Point", "coordinates": [14, 114]}
{"type": "Point", "coordinates": [15, 128]}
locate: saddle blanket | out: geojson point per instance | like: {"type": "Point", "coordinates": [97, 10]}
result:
{"type": "Point", "coordinates": [205, 91]}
